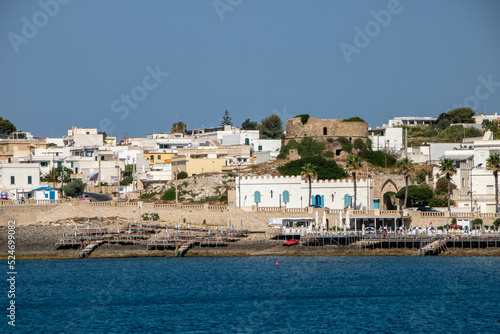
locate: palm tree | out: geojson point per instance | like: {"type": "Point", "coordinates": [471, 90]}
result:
{"type": "Point", "coordinates": [406, 167]}
{"type": "Point", "coordinates": [447, 166]}
{"type": "Point", "coordinates": [309, 171]}
{"type": "Point", "coordinates": [353, 165]}
{"type": "Point", "coordinates": [493, 164]}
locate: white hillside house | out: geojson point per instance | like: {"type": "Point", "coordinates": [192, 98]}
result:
{"type": "Point", "coordinates": [293, 192]}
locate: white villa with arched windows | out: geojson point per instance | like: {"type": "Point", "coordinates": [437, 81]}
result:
{"type": "Point", "coordinates": [293, 192]}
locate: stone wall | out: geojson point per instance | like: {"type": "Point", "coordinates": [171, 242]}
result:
{"type": "Point", "coordinates": [315, 127]}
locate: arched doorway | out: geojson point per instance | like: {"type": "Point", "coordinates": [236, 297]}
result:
{"type": "Point", "coordinates": [388, 195]}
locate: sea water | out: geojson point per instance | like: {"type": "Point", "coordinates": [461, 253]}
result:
{"type": "Point", "coordinates": [254, 295]}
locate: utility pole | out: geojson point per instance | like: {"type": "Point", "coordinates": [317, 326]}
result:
{"type": "Point", "coordinates": [239, 185]}
{"type": "Point", "coordinates": [175, 185]}
{"type": "Point", "coordinates": [134, 169]}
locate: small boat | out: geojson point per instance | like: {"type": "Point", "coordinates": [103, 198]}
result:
{"type": "Point", "coordinates": [291, 242]}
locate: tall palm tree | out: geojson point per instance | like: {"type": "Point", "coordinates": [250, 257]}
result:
{"type": "Point", "coordinates": [493, 164]}
{"type": "Point", "coordinates": [447, 166]}
{"type": "Point", "coordinates": [406, 167]}
{"type": "Point", "coordinates": [353, 165]}
{"type": "Point", "coordinates": [309, 171]}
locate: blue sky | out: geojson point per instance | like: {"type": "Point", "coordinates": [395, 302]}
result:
{"type": "Point", "coordinates": [253, 58]}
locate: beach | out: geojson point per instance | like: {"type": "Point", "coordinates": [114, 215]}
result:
{"type": "Point", "coordinates": [37, 241]}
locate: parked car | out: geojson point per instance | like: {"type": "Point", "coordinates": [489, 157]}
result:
{"type": "Point", "coordinates": [426, 208]}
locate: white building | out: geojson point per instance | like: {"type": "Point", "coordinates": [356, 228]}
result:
{"type": "Point", "coordinates": [81, 137]}
{"type": "Point", "coordinates": [409, 121]}
{"type": "Point", "coordinates": [387, 139]}
{"type": "Point", "coordinates": [45, 193]}
{"type": "Point", "coordinates": [18, 178]}
{"type": "Point", "coordinates": [482, 117]}
{"type": "Point", "coordinates": [293, 192]}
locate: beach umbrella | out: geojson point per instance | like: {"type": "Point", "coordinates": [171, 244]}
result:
{"type": "Point", "coordinates": [347, 220]}
{"type": "Point", "coordinates": [369, 228]}
{"type": "Point", "coordinates": [432, 228]}
{"type": "Point", "coordinates": [339, 221]}
{"type": "Point", "coordinates": [316, 220]}
{"type": "Point", "coordinates": [323, 221]}
{"type": "Point", "coordinates": [363, 228]}
{"type": "Point", "coordinates": [64, 233]}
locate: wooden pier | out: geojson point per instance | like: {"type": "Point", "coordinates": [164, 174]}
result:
{"type": "Point", "coordinates": [89, 249]}
{"type": "Point", "coordinates": [433, 248]}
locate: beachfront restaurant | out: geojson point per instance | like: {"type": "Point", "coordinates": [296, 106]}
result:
{"type": "Point", "coordinates": [392, 223]}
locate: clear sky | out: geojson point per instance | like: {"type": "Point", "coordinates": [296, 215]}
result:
{"type": "Point", "coordinates": [139, 66]}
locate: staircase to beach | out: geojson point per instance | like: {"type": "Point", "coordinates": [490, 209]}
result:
{"type": "Point", "coordinates": [433, 248]}
{"type": "Point", "coordinates": [89, 249]}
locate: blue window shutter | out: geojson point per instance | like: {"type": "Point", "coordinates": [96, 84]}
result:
{"type": "Point", "coordinates": [313, 200]}
{"type": "Point", "coordinates": [257, 197]}
{"type": "Point", "coordinates": [347, 200]}
{"type": "Point", "coordinates": [376, 204]}
{"type": "Point", "coordinates": [286, 196]}
{"type": "Point", "coordinates": [322, 200]}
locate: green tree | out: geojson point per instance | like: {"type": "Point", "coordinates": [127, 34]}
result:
{"type": "Point", "coordinates": [178, 127]}
{"type": "Point", "coordinates": [476, 223]}
{"type": "Point", "coordinates": [308, 171]}
{"type": "Point", "coordinates": [303, 118]}
{"type": "Point", "coordinates": [353, 119]}
{"type": "Point", "coordinates": [271, 127]}
{"type": "Point", "coordinates": [6, 128]}
{"type": "Point", "coordinates": [406, 167]}
{"type": "Point", "coordinates": [447, 166]}
{"type": "Point", "coordinates": [325, 169]}
{"type": "Point", "coordinates": [458, 115]}
{"type": "Point", "coordinates": [493, 164]}
{"type": "Point", "coordinates": [226, 119]}
{"type": "Point", "coordinates": [359, 144]}
{"type": "Point", "coordinates": [249, 125]}
{"type": "Point", "coordinates": [354, 165]}
{"type": "Point", "coordinates": [169, 195]}
{"type": "Point", "coordinates": [75, 188]}
{"type": "Point", "coordinates": [104, 135]}
{"type": "Point", "coordinates": [417, 195]}
{"type": "Point", "coordinates": [345, 143]}
{"type": "Point", "coordinates": [496, 223]}
{"type": "Point", "coordinates": [182, 175]}
{"type": "Point", "coordinates": [441, 186]}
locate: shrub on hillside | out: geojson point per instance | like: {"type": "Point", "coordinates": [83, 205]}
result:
{"type": "Point", "coordinates": [377, 158]}
{"type": "Point", "coordinates": [325, 169]}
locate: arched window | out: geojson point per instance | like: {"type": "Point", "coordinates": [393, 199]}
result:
{"type": "Point", "coordinates": [325, 131]}
{"type": "Point", "coordinates": [256, 196]}
{"type": "Point", "coordinates": [286, 196]}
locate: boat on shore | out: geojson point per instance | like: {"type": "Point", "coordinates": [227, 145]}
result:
{"type": "Point", "coordinates": [291, 242]}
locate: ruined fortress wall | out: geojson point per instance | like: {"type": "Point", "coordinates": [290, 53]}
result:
{"type": "Point", "coordinates": [315, 127]}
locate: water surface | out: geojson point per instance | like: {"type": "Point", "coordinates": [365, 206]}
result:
{"type": "Point", "coordinates": [253, 295]}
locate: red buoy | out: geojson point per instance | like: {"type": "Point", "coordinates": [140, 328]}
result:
{"type": "Point", "coordinates": [277, 264]}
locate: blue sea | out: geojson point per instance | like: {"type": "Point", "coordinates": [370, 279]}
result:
{"type": "Point", "coordinates": [370, 294]}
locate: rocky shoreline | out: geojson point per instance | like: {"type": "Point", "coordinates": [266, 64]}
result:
{"type": "Point", "coordinates": [37, 241]}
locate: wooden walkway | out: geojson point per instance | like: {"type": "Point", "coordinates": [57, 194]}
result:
{"type": "Point", "coordinates": [433, 248]}
{"type": "Point", "coordinates": [182, 250]}
{"type": "Point", "coordinates": [89, 249]}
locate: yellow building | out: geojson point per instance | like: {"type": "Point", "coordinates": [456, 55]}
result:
{"type": "Point", "coordinates": [155, 157]}
{"type": "Point", "coordinates": [193, 166]}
